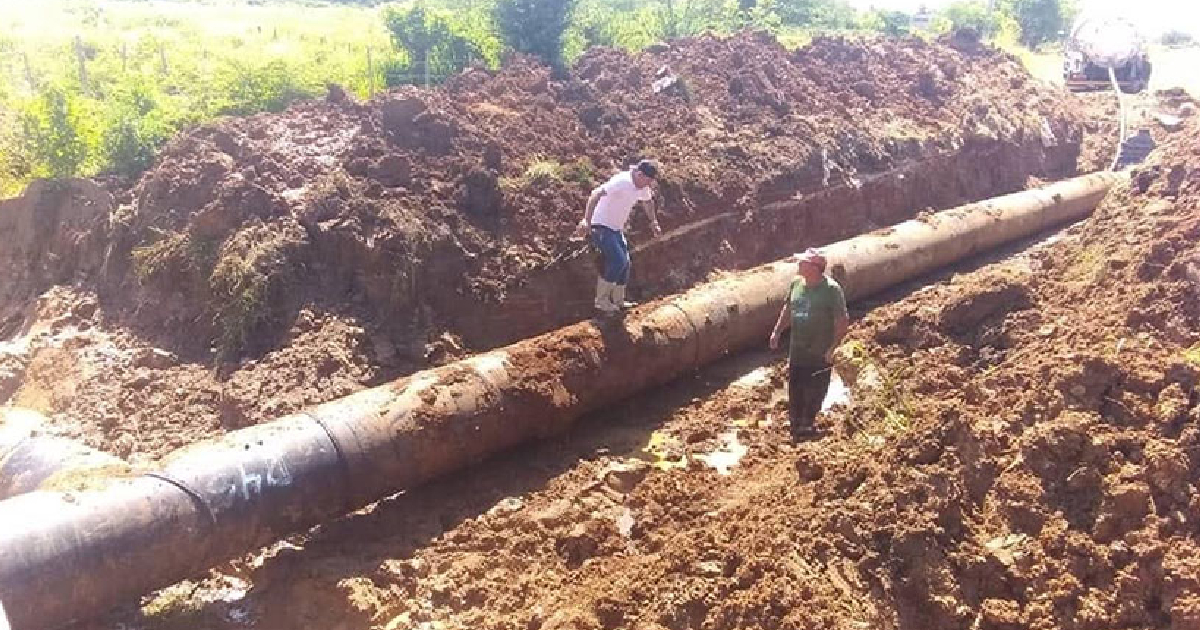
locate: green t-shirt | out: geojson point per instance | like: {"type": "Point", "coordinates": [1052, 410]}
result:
{"type": "Point", "coordinates": [814, 311]}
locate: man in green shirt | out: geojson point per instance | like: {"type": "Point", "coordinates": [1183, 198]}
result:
{"type": "Point", "coordinates": [816, 312]}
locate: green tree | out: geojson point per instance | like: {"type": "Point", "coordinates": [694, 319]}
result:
{"type": "Point", "coordinates": [52, 129]}
{"type": "Point", "coordinates": [536, 27]}
{"type": "Point", "coordinates": [431, 41]}
{"type": "Point", "coordinates": [1040, 20]}
{"type": "Point", "coordinates": [816, 13]}
{"type": "Point", "coordinates": [136, 128]}
{"type": "Point", "coordinates": [762, 14]}
{"type": "Point", "coordinates": [972, 14]}
{"type": "Point", "coordinates": [15, 165]}
{"type": "Point", "coordinates": [891, 23]}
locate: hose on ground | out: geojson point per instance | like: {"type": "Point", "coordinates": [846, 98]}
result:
{"type": "Point", "coordinates": [1112, 76]}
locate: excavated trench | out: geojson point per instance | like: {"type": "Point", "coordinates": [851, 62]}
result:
{"type": "Point", "coordinates": [808, 207]}
{"type": "Point", "coordinates": [438, 421]}
{"type": "Point", "coordinates": [388, 277]}
{"type": "Point", "coordinates": [815, 203]}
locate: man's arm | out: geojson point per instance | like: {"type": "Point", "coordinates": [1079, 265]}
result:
{"type": "Point", "coordinates": [781, 324]}
{"type": "Point", "coordinates": [841, 324]}
{"type": "Point", "coordinates": [581, 229]}
{"type": "Point", "coordinates": [652, 212]}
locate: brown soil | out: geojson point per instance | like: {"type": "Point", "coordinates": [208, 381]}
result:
{"type": "Point", "coordinates": [1019, 451]}
{"type": "Point", "coordinates": [274, 261]}
{"type": "Point", "coordinates": [1101, 121]}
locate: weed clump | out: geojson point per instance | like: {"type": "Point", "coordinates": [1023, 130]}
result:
{"type": "Point", "coordinates": [251, 270]}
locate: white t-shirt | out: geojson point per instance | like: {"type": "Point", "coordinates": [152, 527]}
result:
{"type": "Point", "coordinates": [613, 209]}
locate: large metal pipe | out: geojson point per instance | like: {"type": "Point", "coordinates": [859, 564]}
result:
{"type": "Point", "coordinates": [30, 461]}
{"type": "Point", "coordinates": [67, 556]}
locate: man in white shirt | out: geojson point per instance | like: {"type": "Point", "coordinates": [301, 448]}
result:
{"type": "Point", "coordinates": [607, 212]}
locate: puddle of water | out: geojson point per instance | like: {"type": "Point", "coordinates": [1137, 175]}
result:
{"type": "Point", "coordinates": [754, 378]}
{"type": "Point", "coordinates": [838, 393]}
{"type": "Point", "coordinates": [625, 522]}
{"type": "Point", "coordinates": [665, 452]}
{"type": "Point", "coordinates": [727, 456]}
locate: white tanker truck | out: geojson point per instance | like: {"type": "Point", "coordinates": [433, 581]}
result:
{"type": "Point", "coordinates": [1097, 43]}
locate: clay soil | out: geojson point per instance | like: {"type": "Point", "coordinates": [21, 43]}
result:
{"type": "Point", "coordinates": [271, 262]}
{"type": "Point", "coordinates": [1018, 449]}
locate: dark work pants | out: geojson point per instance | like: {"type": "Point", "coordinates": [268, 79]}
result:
{"type": "Point", "coordinates": [615, 250]}
{"type": "Point", "coordinates": [807, 385]}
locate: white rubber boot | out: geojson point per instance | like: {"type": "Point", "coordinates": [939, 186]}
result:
{"type": "Point", "coordinates": [604, 302]}
{"type": "Point", "coordinates": [618, 298]}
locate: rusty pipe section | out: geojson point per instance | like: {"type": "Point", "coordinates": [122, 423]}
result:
{"type": "Point", "coordinates": [68, 556]}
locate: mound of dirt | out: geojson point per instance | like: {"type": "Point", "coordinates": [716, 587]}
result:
{"type": "Point", "coordinates": [1018, 451]}
{"type": "Point", "coordinates": [1046, 419]}
{"type": "Point", "coordinates": [432, 223]}
{"type": "Point", "coordinates": [432, 206]}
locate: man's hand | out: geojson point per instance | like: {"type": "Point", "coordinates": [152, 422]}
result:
{"type": "Point", "coordinates": [774, 342]}
{"type": "Point", "coordinates": [656, 228]}
{"type": "Point", "coordinates": [580, 232]}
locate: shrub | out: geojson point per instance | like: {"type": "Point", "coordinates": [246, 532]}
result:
{"type": "Point", "coordinates": [536, 27]}
{"type": "Point", "coordinates": [51, 127]}
{"type": "Point", "coordinates": [134, 131]}
{"type": "Point", "coordinates": [270, 87]}
{"type": "Point", "coordinates": [431, 41]}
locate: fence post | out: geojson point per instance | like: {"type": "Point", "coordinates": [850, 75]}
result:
{"type": "Point", "coordinates": [83, 78]}
{"type": "Point", "coordinates": [426, 68]}
{"type": "Point", "coordinates": [124, 57]}
{"type": "Point", "coordinates": [28, 70]}
{"type": "Point", "coordinates": [370, 74]}
{"type": "Point", "coordinates": [162, 59]}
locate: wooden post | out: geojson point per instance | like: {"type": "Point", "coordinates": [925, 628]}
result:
{"type": "Point", "coordinates": [370, 74]}
{"type": "Point", "coordinates": [83, 78]}
{"type": "Point", "coordinates": [426, 68]}
{"type": "Point", "coordinates": [124, 57]}
{"type": "Point", "coordinates": [28, 70]}
{"type": "Point", "coordinates": [162, 59]}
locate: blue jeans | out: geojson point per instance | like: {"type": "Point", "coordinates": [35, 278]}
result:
{"type": "Point", "coordinates": [615, 251]}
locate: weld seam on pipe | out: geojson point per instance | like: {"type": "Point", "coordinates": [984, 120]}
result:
{"type": "Point", "coordinates": [340, 453]}
{"type": "Point", "coordinates": [695, 329]}
{"type": "Point", "coordinates": [195, 496]}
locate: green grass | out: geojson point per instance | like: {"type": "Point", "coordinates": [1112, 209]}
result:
{"type": "Point", "coordinates": [540, 171]}
{"type": "Point", "coordinates": [91, 86]}
{"type": "Point", "coordinates": [253, 263]}
{"type": "Point", "coordinates": [1192, 355]}
{"type": "Point", "coordinates": [174, 257]}
{"type": "Point", "coordinates": [152, 68]}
